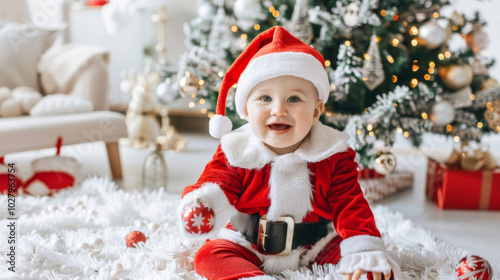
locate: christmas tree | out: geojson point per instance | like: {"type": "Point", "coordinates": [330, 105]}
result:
{"type": "Point", "coordinates": [404, 67]}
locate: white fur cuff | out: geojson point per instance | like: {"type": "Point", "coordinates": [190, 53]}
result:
{"type": "Point", "coordinates": [368, 261]}
{"type": "Point", "coordinates": [374, 261]}
{"type": "Point", "coordinates": [361, 243]}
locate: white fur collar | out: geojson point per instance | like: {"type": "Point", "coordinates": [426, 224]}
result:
{"type": "Point", "coordinates": [243, 149]}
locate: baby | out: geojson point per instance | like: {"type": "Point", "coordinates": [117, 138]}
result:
{"type": "Point", "coordinates": [287, 183]}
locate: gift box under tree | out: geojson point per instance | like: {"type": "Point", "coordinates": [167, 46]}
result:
{"type": "Point", "coordinates": [454, 188]}
{"type": "Point", "coordinates": [377, 186]}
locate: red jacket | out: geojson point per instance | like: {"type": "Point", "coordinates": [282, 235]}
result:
{"type": "Point", "coordinates": [318, 180]}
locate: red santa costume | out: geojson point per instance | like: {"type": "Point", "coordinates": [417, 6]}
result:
{"type": "Point", "coordinates": [316, 185]}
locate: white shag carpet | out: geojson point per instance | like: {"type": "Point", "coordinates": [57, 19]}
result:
{"type": "Point", "coordinates": [80, 233]}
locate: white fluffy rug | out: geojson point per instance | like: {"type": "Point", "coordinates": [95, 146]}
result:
{"type": "Point", "coordinates": [59, 237]}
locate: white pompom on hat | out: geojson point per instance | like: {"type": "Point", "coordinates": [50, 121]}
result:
{"type": "Point", "coordinates": [273, 53]}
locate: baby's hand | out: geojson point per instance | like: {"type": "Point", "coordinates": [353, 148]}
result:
{"type": "Point", "coordinates": [371, 275]}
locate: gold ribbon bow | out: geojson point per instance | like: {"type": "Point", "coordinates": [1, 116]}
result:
{"type": "Point", "coordinates": [471, 159]}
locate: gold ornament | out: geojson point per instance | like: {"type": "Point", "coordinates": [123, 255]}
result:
{"type": "Point", "coordinates": [489, 83]}
{"type": "Point", "coordinates": [431, 35]}
{"type": "Point", "coordinates": [384, 162]}
{"type": "Point", "coordinates": [477, 39]}
{"type": "Point", "coordinates": [492, 115]}
{"type": "Point", "coordinates": [189, 83]}
{"type": "Point", "coordinates": [457, 19]}
{"type": "Point", "coordinates": [456, 76]}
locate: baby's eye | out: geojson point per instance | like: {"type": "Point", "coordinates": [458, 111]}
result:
{"type": "Point", "coordinates": [266, 98]}
{"type": "Point", "coordinates": [293, 99]}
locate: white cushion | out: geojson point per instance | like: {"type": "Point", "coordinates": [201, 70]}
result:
{"type": "Point", "coordinates": [56, 104]}
{"type": "Point", "coordinates": [22, 45]}
{"type": "Point", "coordinates": [17, 134]}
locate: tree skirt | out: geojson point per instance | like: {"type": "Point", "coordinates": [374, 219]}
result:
{"type": "Point", "coordinates": [80, 233]}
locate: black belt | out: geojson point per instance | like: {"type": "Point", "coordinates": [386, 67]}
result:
{"type": "Point", "coordinates": [281, 236]}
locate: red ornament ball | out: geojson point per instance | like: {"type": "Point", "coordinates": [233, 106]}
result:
{"type": "Point", "coordinates": [134, 237]}
{"type": "Point", "coordinates": [198, 218]}
{"type": "Point", "coordinates": [474, 268]}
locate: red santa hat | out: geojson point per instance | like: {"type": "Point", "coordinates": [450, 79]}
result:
{"type": "Point", "coordinates": [273, 53]}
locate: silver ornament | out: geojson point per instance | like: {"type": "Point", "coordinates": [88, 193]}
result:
{"type": "Point", "coordinates": [442, 113]}
{"type": "Point", "coordinates": [431, 35]}
{"type": "Point", "coordinates": [247, 12]}
{"type": "Point", "coordinates": [165, 92]}
{"type": "Point", "coordinates": [206, 10]}
{"type": "Point", "coordinates": [384, 162]}
{"type": "Point", "coordinates": [373, 73]}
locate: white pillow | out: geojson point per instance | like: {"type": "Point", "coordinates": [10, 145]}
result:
{"type": "Point", "coordinates": [21, 46]}
{"type": "Point", "coordinates": [56, 104]}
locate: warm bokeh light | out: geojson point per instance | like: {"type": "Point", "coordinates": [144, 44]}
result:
{"type": "Point", "coordinates": [414, 82]}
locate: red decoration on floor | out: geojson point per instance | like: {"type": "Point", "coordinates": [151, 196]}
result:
{"type": "Point", "coordinates": [134, 237]}
{"type": "Point", "coordinates": [9, 177]}
{"type": "Point", "coordinates": [198, 218]}
{"type": "Point", "coordinates": [474, 268]}
{"type": "Point", "coordinates": [97, 2]}
{"type": "Point", "coordinates": [52, 174]}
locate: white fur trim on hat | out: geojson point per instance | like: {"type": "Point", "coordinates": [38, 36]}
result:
{"type": "Point", "coordinates": [273, 65]}
{"type": "Point", "coordinates": [219, 125]}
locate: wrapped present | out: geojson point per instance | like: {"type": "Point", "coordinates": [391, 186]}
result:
{"type": "Point", "coordinates": [379, 186]}
{"type": "Point", "coordinates": [368, 173]}
{"type": "Point", "coordinates": [467, 180]}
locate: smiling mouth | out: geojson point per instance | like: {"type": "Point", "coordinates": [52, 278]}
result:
{"type": "Point", "coordinates": [279, 127]}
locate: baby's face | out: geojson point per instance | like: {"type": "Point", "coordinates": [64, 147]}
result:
{"type": "Point", "coordinates": [282, 110]}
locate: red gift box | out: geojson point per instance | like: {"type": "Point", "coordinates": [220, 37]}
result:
{"type": "Point", "coordinates": [453, 188]}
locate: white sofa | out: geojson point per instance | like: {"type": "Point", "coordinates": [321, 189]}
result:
{"type": "Point", "coordinates": [25, 133]}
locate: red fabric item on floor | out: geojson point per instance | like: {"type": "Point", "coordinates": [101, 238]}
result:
{"type": "Point", "coordinates": [53, 180]}
{"type": "Point", "coordinates": [222, 259]}
{"type": "Point", "coordinates": [331, 253]}
{"type": "Point", "coordinates": [5, 170]}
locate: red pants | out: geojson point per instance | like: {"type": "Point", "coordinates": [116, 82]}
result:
{"type": "Point", "coordinates": [222, 259]}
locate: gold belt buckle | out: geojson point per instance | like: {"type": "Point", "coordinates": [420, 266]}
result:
{"type": "Point", "coordinates": [261, 238]}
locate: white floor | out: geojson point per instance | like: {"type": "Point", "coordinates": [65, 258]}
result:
{"type": "Point", "coordinates": [475, 231]}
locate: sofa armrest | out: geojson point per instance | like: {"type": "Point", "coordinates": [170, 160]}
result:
{"type": "Point", "coordinates": [93, 84]}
